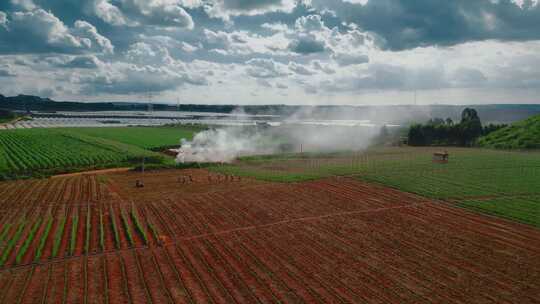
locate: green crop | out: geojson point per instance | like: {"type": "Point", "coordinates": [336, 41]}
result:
{"type": "Point", "coordinates": [27, 241]}
{"type": "Point", "coordinates": [44, 237]}
{"type": "Point", "coordinates": [12, 242]}
{"type": "Point", "coordinates": [114, 228]}
{"type": "Point", "coordinates": [58, 236]}
{"type": "Point", "coordinates": [73, 240]}
{"type": "Point", "coordinates": [127, 228]}
{"type": "Point", "coordinates": [471, 173]}
{"type": "Point", "coordinates": [155, 232]}
{"type": "Point", "coordinates": [138, 225]}
{"type": "Point", "coordinates": [5, 231]}
{"type": "Point", "coordinates": [142, 137]}
{"type": "Point", "coordinates": [69, 150]}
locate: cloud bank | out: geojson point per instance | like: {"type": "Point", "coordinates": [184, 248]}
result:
{"type": "Point", "coordinates": [272, 51]}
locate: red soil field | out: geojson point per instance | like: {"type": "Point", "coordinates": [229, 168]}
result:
{"type": "Point", "coordinates": [217, 239]}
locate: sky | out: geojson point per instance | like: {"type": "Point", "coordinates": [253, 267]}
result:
{"type": "Point", "coordinates": [302, 52]}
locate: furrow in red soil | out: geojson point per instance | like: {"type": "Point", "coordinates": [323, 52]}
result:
{"type": "Point", "coordinates": [81, 231]}
{"type": "Point", "coordinates": [35, 291]}
{"type": "Point", "coordinates": [304, 264]}
{"type": "Point", "coordinates": [17, 287]}
{"type": "Point", "coordinates": [335, 240]}
{"type": "Point", "coordinates": [172, 279]}
{"type": "Point", "coordinates": [314, 290]}
{"type": "Point", "coordinates": [166, 221]}
{"type": "Point", "coordinates": [117, 291]}
{"type": "Point", "coordinates": [289, 279]}
{"type": "Point", "coordinates": [194, 283]}
{"type": "Point", "coordinates": [136, 284]}
{"type": "Point", "coordinates": [95, 229]}
{"type": "Point", "coordinates": [208, 275]}
{"type": "Point", "coordinates": [96, 281]}
{"type": "Point", "coordinates": [56, 283]}
{"type": "Point", "coordinates": [109, 241]}
{"type": "Point", "coordinates": [223, 273]}
{"type": "Point", "coordinates": [153, 279]}
{"type": "Point", "coordinates": [254, 285]}
{"type": "Point", "coordinates": [75, 287]}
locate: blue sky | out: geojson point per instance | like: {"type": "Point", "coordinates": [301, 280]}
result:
{"type": "Point", "coordinates": [272, 51]}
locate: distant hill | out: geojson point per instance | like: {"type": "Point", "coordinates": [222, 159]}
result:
{"type": "Point", "coordinates": [401, 114]}
{"type": "Point", "coordinates": [521, 135]}
{"type": "Point", "coordinates": [35, 103]}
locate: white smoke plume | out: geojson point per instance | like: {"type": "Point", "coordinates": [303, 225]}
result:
{"type": "Point", "coordinates": [222, 145]}
{"type": "Point", "coordinates": [227, 143]}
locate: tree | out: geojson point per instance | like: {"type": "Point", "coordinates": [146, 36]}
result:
{"type": "Point", "coordinates": [445, 132]}
{"type": "Point", "coordinates": [469, 115]}
{"type": "Point", "coordinates": [436, 122]}
{"type": "Point", "coordinates": [470, 127]}
{"type": "Point", "coordinates": [416, 135]}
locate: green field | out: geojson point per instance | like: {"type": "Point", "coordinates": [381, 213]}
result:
{"type": "Point", "coordinates": [502, 183]}
{"type": "Point", "coordinates": [143, 137]}
{"type": "Point", "coordinates": [42, 152]}
{"type": "Point", "coordinates": [520, 135]}
{"type": "Point", "coordinates": [497, 182]}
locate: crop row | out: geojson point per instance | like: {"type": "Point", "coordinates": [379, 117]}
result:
{"type": "Point", "coordinates": [334, 240]}
{"type": "Point", "coordinates": [78, 229]}
{"type": "Point", "coordinates": [39, 235]}
{"type": "Point", "coordinates": [27, 152]}
{"type": "Point", "coordinates": [469, 171]}
{"type": "Point", "coordinates": [400, 255]}
{"type": "Point", "coordinates": [38, 232]}
{"type": "Point", "coordinates": [19, 196]}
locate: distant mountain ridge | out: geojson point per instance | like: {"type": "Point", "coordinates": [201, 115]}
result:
{"type": "Point", "coordinates": [399, 114]}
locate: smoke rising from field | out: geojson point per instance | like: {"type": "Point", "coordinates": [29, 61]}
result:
{"type": "Point", "coordinates": [296, 133]}
{"type": "Point", "coordinates": [223, 145]}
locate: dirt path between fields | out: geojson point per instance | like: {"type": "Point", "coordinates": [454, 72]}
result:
{"type": "Point", "coordinates": [93, 172]}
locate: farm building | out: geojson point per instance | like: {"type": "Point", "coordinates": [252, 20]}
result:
{"type": "Point", "coordinates": [441, 157]}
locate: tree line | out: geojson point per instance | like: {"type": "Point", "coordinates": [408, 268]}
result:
{"type": "Point", "coordinates": [445, 132]}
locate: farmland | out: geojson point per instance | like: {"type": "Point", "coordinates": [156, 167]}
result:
{"type": "Point", "coordinates": [142, 137]}
{"type": "Point", "coordinates": [192, 236]}
{"type": "Point", "coordinates": [385, 225]}
{"type": "Point", "coordinates": [497, 182]}
{"type": "Point", "coordinates": [42, 152]}
{"type": "Point", "coordinates": [520, 135]}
